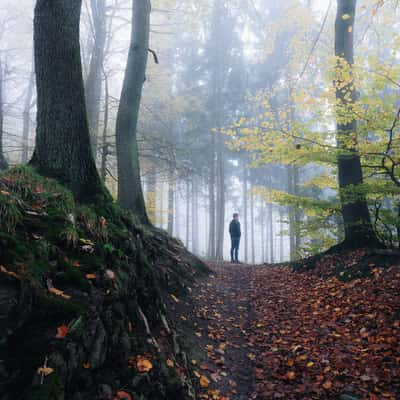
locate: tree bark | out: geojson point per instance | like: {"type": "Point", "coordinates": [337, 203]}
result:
{"type": "Point", "coordinates": [3, 161]}
{"type": "Point", "coordinates": [357, 223]}
{"type": "Point", "coordinates": [105, 144]}
{"type": "Point", "coordinates": [62, 141]}
{"type": "Point", "coordinates": [94, 78]}
{"type": "Point", "coordinates": [130, 194]}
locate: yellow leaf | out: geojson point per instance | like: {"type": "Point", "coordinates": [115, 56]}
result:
{"type": "Point", "coordinates": [345, 17]}
{"type": "Point", "coordinates": [144, 365]}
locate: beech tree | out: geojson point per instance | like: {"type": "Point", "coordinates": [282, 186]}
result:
{"type": "Point", "coordinates": [357, 222]}
{"type": "Point", "coordinates": [62, 139]}
{"type": "Point", "coordinates": [130, 193]}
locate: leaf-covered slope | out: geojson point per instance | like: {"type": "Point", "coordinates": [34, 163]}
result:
{"type": "Point", "coordinates": [82, 313]}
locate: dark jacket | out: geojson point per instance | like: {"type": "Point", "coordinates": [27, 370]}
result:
{"type": "Point", "coordinates": [234, 229]}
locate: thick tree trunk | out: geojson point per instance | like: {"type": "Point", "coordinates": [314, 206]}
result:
{"type": "Point", "coordinates": [94, 78]}
{"type": "Point", "coordinates": [357, 223]}
{"type": "Point", "coordinates": [26, 118]}
{"type": "Point", "coordinates": [130, 194]}
{"type": "Point", "coordinates": [62, 140]}
{"type": "Point", "coordinates": [3, 161]}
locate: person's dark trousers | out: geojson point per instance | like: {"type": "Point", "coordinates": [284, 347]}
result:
{"type": "Point", "coordinates": [235, 249]}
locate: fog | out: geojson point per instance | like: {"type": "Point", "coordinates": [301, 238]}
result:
{"type": "Point", "coordinates": [212, 63]}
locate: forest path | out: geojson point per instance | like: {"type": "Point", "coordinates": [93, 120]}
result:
{"type": "Point", "coordinates": [270, 333]}
{"type": "Point", "coordinates": [222, 318]}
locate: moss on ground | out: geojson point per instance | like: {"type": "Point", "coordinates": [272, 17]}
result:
{"type": "Point", "coordinates": [96, 271]}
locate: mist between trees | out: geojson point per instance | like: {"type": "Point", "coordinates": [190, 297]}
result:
{"type": "Point", "coordinates": [253, 107]}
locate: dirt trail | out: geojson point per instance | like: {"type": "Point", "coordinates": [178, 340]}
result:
{"type": "Point", "coordinates": [268, 333]}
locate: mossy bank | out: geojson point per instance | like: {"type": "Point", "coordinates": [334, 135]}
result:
{"type": "Point", "coordinates": [82, 299]}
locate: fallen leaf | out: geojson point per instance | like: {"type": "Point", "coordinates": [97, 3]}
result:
{"type": "Point", "coordinates": [62, 331]}
{"type": "Point", "coordinates": [45, 371]}
{"type": "Point", "coordinates": [204, 382]}
{"type": "Point", "coordinates": [143, 365]}
{"type": "Point", "coordinates": [122, 395]}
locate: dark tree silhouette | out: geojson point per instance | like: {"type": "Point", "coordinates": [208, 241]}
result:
{"type": "Point", "coordinates": [130, 193]}
{"type": "Point", "coordinates": [357, 222]}
{"type": "Point", "coordinates": [62, 140]}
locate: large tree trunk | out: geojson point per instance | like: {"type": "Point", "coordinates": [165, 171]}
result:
{"type": "Point", "coordinates": [94, 78]}
{"type": "Point", "coordinates": [26, 118]}
{"type": "Point", "coordinates": [3, 161]}
{"type": "Point", "coordinates": [62, 140]}
{"type": "Point", "coordinates": [130, 194]}
{"type": "Point", "coordinates": [357, 222]}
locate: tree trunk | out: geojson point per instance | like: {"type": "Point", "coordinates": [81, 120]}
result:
{"type": "Point", "coordinates": [221, 204]}
{"type": "Point", "coordinates": [281, 241]}
{"type": "Point", "coordinates": [211, 188]}
{"type": "Point", "coordinates": [271, 233]}
{"type": "Point", "coordinates": [151, 194]}
{"type": "Point", "coordinates": [246, 246]}
{"type": "Point", "coordinates": [187, 213]}
{"type": "Point", "coordinates": [262, 231]}
{"type": "Point", "coordinates": [253, 255]}
{"type": "Point", "coordinates": [171, 184]}
{"type": "Point", "coordinates": [130, 194]}
{"type": "Point", "coordinates": [26, 118]}
{"type": "Point", "coordinates": [357, 223]}
{"type": "Point", "coordinates": [195, 216]}
{"type": "Point", "coordinates": [3, 161]}
{"type": "Point", "coordinates": [62, 141]}
{"type": "Point", "coordinates": [94, 78]}
{"type": "Point", "coordinates": [104, 150]}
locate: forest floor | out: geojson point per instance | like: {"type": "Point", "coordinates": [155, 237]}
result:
{"type": "Point", "coordinates": [271, 333]}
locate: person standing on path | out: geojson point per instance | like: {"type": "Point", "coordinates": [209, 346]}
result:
{"type": "Point", "coordinates": [235, 232]}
